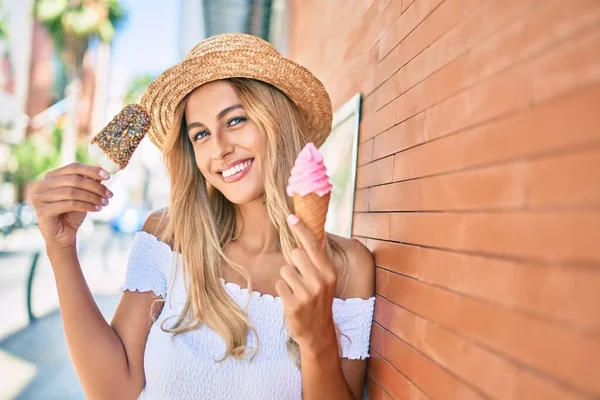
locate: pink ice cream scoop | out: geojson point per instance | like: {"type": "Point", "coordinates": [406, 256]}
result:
{"type": "Point", "coordinates": [309, 174]}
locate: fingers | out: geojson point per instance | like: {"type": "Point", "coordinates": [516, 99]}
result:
{"type": "Point", "coordinates": [90, 171]}
{"type": "Point", "coordinates": [290, 275]}
{"type": "Point", "coordinates": [73, 181]}
{"type": "Point", "coordinates": [72, 193]}
{"type": "Point", "coordinates": [302, 262]}
{"type": "Point", "coordinates": [309, 243]}
{"type": "Point", "coordinates": [284, 291]}
{"type": "Point", "coordinates": [65, 206]}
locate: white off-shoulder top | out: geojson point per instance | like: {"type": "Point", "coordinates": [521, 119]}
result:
{"type": "Point", "coordinates": [186, 366]}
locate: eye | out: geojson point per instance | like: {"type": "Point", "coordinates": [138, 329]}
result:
{"type": "Point", "coordinates": [200, 135]}
{"type": "Point", "coordinates": [236, 120]}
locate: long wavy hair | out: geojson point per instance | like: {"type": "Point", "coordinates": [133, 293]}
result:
{"type": "Point", "coordinates": [202, 240]}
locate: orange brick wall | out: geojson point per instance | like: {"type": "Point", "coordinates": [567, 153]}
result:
{"type": "Point", "coordinates": [478, 188]}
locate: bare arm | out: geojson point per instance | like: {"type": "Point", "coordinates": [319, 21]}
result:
{"type": "Point", "coordinates": [108, 360]}
{"type": "Point", "coordinates": [324, 373]}
{"type": "Point", "coordinates": [307, 289]}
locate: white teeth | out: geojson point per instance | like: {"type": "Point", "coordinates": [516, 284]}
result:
{"type": "Point", "coordinates": [234, 170]}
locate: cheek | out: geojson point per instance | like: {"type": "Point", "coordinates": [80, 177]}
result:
{"type": "Point", "coordinates": [256, 142]}
{"type": "Point", "coordinates": [202, 161]}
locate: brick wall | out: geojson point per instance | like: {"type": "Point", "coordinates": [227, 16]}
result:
{"type": "Point", "coordinates": [478, 188]}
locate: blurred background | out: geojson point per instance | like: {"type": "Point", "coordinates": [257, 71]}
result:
{"type": "Point", "coordinates": [477, 175]}
{"type": "Point", "coordinates": [66, 68]}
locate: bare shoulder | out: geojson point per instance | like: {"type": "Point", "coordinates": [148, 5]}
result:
{"type": "Point", "coordinates": [156, 222]}
{"type": "Point", "coordinates": [356, 270]}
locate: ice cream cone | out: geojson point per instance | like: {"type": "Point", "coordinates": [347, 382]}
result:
{"type": "Point", "coordinates": [310, 190]}
{"type": "Point", "coordinates": [312, 211]}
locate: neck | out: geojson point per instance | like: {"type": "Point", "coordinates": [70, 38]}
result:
{"type": "Point", "coordinates": [255, 232]}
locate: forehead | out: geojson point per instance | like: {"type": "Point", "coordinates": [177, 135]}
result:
{"type": "Point", "coordinates": [209, 99]}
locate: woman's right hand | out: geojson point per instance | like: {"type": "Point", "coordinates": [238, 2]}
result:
{"type": "Point", "coordinates": [64, 197]}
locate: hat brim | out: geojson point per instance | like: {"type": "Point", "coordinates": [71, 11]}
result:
{"type": "Point", "coordinates": [299, 84]}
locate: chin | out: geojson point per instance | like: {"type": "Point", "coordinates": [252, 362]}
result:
{"type": "Point", "coordinates": [242, 195]}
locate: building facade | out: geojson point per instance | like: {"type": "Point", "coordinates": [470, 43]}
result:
{"type": "Point", "coordinates": [477, 188]}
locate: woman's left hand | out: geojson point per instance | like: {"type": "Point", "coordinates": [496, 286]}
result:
{"type": "Point", "coordinates": [307, 289]}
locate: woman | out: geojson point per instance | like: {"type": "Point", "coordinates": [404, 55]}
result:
{"type": "Point", "coordinates": [230, 120]}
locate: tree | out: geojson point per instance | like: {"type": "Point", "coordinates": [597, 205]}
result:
{"type": "Point", "coordinates": [136, 88]}
{"type": "Point", "coordinates": [72, 24]}
{"type": "Point", "coordinates": [3, 28]}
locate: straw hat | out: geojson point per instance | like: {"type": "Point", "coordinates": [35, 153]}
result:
{"type": "Point", "coordinates": [232, 55]}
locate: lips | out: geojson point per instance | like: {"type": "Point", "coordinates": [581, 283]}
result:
{"type": "Point", "coordinates": [236, 171]}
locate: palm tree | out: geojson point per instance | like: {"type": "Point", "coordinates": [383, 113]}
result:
{"type": "Point", "coordinates": [72, 24]}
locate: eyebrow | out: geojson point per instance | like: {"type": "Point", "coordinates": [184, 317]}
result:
{"type": "Point", "coordinates": [220, 115]}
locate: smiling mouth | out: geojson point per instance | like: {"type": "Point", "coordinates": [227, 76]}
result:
{"type": "Point", "coordinates": [236, 172]}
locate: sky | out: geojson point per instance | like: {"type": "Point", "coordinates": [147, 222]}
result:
{"type": "Point", "coordinates": [148, 42]}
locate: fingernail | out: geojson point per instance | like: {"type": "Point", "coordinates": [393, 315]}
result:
{"type": "Point", "coordinates": [98, 208]}
{"type": "Point", "coordinates": [109, 194]}
{"type": "Point", "coordinates": [104, 174]}
{"type": "Point", "coordinates": [104, 202]}
{"type": "Point", "coordinates": [292, 219]}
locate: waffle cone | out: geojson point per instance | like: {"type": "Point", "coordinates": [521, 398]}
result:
{"type": "Point", "coordinates": [312, 210]}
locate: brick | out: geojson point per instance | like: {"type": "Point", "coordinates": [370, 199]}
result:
{"type": "Point", "coordinates": [405, 24]}
{"type": "Point", "coordinates": [386, 93]}
{"type": "Point", "coordinates": [386, 117]}
{"type": "Point", "coordinates": [374, 391]}
{"type": "Point", "coordinates": [489, 372]}
{"type": "Point", "coordinates": [567, 180]}
{"type": "Point", "coordinates": [574, 65]}
{"type": "Point", "coordinates": [371, 225]}
{"type": "Point", "coordinates": [361, 200]}
{"type": "Point", "coordinates": [491, 17]}
{"type": "Point", "coordinates": [565, 354]}
{"type": "Point", "coordinates": [505, 94]}
{"type": "Point", "coordinates": [427, 375]}
{"type": "Point", "coordinates": [407, 134]}
{"type": "Point", "coordinates": [536, 131]}
{"type": "Point", "coordinates": [493, 188]}
{"type": "Point", "coordinates": [405, 196]}
{"type": "Point", "coordinates": [384, 4]}
{"type": "Point", "coordinates": [497, 380]}
{"type": "Point", "coordinates": [436, 157]}
{"type": "Point", "coordinates": [381, 281]}
{"type": "Point", "coordinates": [479, 25]}
{"type": "Point", "coordinates": [444, 17]}
{"type": "Point", "coordinates": [406, 4]}
{"type": "Point", "coordinates": [532, 385]}
{"type": "Point", "coordinates": [529, 133]}
{"type": "Point", "coordinates": [365, 152]}
{"type": "Point", "coordinates": [366, 129]}
{"type": "Point", "coordinates": [567, 293]}
{"type": "Point", "coordinates": [375, 173]}
{"type": "Point", "coordinates": [545, 236]}
{"type": "Point", "coordinates": [391, 380]}
{"type": "Point", "coordinates": [377, 333]}
{"type": "Point", "coordinates": [546, 25]}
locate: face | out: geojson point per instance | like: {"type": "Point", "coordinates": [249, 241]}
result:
{"type": "Point", "coordinates": [229, 148]}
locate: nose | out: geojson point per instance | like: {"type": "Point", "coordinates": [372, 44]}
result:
{"type": "Point", "coordinates": [221, 146]}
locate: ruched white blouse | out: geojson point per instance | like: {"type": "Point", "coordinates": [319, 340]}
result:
{"type": "Point", "coordinates": [186, 366]}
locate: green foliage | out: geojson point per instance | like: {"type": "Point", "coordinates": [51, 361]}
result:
{"type": "Point", "coordinates": [81, 154]}
{"type": "Point", "coordinates": [3, 30]}
{"type": "Point", "coordinates": [34, 158]}
{"type": "Point", "coordinates": [137, 87]}
{"type": "Point", "coordinates": [73, 23]}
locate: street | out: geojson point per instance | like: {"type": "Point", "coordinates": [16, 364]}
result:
{"type": "Point", "coordinates": [34, 360]}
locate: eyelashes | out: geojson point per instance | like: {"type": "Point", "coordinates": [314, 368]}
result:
{"type": "Point", "coordinates": [204, 133]}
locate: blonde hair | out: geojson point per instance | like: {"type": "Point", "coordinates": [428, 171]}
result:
{"type": "Point", "coordinates": [201, 240]}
